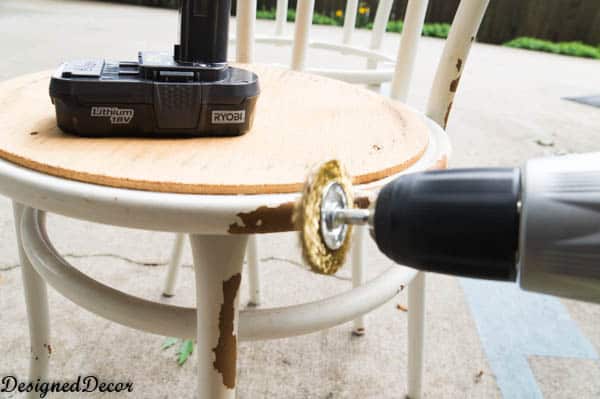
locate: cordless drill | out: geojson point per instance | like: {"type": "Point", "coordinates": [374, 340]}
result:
{"type": "Point", "coordinates": [538, 225]}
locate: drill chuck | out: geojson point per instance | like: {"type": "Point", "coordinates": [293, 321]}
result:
{"type": "Point", "coordinates": [463, 222]}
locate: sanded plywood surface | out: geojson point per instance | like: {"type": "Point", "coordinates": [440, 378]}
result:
{"type": "Point", "coordinates": [301, 120]}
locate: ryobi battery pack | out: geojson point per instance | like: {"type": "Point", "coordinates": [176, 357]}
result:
{"type": "Point", "coordinates": [193, 92]}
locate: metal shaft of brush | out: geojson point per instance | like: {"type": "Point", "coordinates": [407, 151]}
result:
{"type": "Point", "coordinates": [352, 216]}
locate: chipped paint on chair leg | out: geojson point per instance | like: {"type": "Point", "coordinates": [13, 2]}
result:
{"type": "Point", "coordinates": [358, 272]}
{"type": "Point", "coordinates": [218, 264]}
{"type": "Point", "coordinates": [416, 330]}
{"type": "Point", "coordinates": [36, 300]}
{"type": "Point", "coordinates": [174, 266]}
{"type": "Point", "coordinates": [253, 272]}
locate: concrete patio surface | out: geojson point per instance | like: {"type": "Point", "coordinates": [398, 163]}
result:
{"type": "Point", "coordinates": [509, 109]}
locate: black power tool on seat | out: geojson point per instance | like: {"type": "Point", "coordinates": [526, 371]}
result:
{"type": "Point", "coordinates": [193, 92]}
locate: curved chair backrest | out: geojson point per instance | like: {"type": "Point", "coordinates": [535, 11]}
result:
{"type": "Point", "coordinates": [246, 16]}
{"type": "Point", "coordinates": [452, 63]}
{"type": "Point", "coordinates": [464, 28]}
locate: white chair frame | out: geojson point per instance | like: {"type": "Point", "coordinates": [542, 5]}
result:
{"type": "Point", "coordinates": [218, 256]}
{"type": "Point", "coordinates": [439, 106]}
{"type": "Point", "coordinates": [245, 39]}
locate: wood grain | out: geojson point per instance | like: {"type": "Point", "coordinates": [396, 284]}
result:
{"type": "Point", "coordinates": [301, 121]}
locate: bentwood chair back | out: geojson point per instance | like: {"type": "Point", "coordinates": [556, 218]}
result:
{"type": "Point", "coordinates": [464, 29]}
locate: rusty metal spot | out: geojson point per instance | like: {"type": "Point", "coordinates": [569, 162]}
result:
{"type": "Point", "coordinates": [454, 84]}
{"type": "Point", "coordinates": [459, 64]}
{"type": "Point", "coordinates": [49, 349]}
{"type": "Point", "coordinates": [265, 220]}
{"type": "Point", "coordinates": [226, 349]}
{"type": "Point", "coordinates": [377, 147]}
{"type": "Point", "coordinates": [401, 308]}
{"type": "Point", "coordinates": [447, 115]}
{"type": "Point", "coordinates": [33, 133]}
{"type": "Point", "coordinates": [362, 202]}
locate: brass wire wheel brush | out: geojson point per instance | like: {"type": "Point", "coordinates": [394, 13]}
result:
{"type": "Point", "coordinates": [325, 241]}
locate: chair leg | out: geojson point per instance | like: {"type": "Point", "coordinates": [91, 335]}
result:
{"type": "Point", "coordinates": [218, 262]}
{"type": "Point", "coordinates": [174, 265]}
{"type": "Point", "coordinates": [358, 272]}
{"type": "Point", "coordinates": [36, 300]}
{"type": "Point", "coordinates": [253, 272]}
{"type": "Point", "coordinates": [416, 330]}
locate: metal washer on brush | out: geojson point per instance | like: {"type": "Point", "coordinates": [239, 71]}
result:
{"type": "Point", "coordinates": [325, 241]}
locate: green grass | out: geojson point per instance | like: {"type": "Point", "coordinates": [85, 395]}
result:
{"type": "Point", "coordinates": [185, 350]}
{"type": "Point", "coordinates": [318, 19]}
{"type": "Point", "coordinates": [436, 30]}
{"type": "Point", "coordinates": [575, 49]}
{"type": "Point", "coordinates": [394, 26]}
{"type": "Point", "coordinates": [441, 30]}
{"type": "Point", "coordinates": [430, 29]}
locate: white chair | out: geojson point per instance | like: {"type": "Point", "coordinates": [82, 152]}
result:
{"type": "Point", "coordinates": [300, 42]}
{"type": "Point", "coordinates": [399, 71]}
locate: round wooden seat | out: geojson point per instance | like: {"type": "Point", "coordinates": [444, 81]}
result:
{"type": "Point", "coordinates": [301, 120]}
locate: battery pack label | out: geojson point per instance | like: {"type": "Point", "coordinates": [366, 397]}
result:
{"type": "Point", "coordinates": [118, 116]}
{"type": "Point", "coordinates": [228, 117]}
{"type": "Point", "coordinates": [83, 68]}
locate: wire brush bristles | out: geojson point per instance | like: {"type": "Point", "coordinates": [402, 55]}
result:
{"type": "Point", "coordinates": [307, 218]}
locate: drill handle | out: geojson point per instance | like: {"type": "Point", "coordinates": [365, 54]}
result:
{"type": "Point", "coordinates": [560, 227]}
